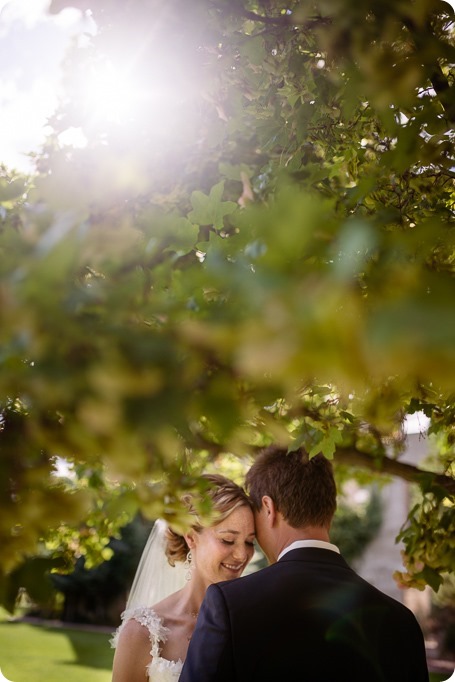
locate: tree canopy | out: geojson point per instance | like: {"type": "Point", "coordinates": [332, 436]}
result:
{"type": "Point", "coordinates": [254, 243]}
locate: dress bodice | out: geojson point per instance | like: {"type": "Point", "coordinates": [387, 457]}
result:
{"type": "Point", "coordinates": [159, 669]}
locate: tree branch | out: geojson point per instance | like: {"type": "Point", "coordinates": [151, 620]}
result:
{"type": "Point", "coordinates": [392, 467]}
{"type": "Point", "coordinates": [438, 80]}
{"type": "Point", "coordinates": [284, 20]}
{"type": "Point", "coordinates": [357, 458]}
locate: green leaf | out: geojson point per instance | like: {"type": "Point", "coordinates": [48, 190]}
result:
{"type": "Point", "coordinates": [231, 172]}
{"type": "Point", "coordinates": [210, 210]}
{"type": "Point", "coordinates": [327, 445]}
{"type": "Point", "coordinates": [253, 49]}
{"type": "Point", "coordinates": [431, 577]}
{"type": "Point", "coordinates": [11, 190]}
{"type": "Point", "coordinates": [298, 443]}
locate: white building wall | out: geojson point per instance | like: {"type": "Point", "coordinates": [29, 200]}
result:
{"type": "Point", "coordinates": [382, 556]}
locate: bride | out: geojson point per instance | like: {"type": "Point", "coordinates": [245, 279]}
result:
{"type": "Point", "coordinates": [172, 577]}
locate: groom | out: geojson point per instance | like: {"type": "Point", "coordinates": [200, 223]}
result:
{"type": "Point", "coordinates": [308, 615]}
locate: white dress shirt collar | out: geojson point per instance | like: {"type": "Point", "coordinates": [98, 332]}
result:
{"type": "Point", "coordinates": [297, 544]}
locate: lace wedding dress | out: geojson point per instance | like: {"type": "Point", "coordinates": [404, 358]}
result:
{"type": "Point", "coordinates": [160, 669]}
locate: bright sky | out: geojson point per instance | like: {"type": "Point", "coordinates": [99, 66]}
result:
{"type": "Point", "coordinates": [416, 423]}
{"type": "Point", "coordinates": [32, 45]}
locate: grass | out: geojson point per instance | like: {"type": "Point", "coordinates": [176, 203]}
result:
{"type": "Point", "coordinates": [46, 654]}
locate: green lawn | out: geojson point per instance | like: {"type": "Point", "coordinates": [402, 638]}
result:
{"type": "Point", "coordinates": [44, 654]}
{"type": "Point", "coordinates": [32, 653]}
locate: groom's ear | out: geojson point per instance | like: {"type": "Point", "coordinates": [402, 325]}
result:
{"type": "Point", "coordinates": [269, 508]}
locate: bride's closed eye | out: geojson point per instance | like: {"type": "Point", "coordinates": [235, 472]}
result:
{"type": "Point", "coordinates": [231, 542]}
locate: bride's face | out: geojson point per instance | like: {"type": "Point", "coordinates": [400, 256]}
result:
{"type": "Point", "coordinates": [222, 552]}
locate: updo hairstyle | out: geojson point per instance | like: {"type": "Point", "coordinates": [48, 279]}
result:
{"type": "Point", "coordinates": [225, 497]}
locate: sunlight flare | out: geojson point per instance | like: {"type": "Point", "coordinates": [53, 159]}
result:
{"type": "Point", "coordinates": [117, 97]}
{"type": "Point", "coordinates": [111, 94]}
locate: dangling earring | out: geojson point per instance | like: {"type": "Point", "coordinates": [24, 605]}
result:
{"type": "Point", "coordinates": [188, 565]}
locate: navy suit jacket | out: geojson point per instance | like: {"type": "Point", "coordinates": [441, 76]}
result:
{"type": "Point", "coordinates": [308, 617]}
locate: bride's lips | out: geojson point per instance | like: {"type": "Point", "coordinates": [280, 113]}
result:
{"type": "Point", "coordinates": [233, 568]}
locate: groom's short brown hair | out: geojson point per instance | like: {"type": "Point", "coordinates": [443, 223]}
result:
{"type": "Point", "coordinates": [302, 488]}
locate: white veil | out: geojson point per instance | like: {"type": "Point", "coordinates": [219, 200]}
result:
{"type": "Point", "coordinates": [155, 578]}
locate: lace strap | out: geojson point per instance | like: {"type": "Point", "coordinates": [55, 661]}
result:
{"type": "Point", "coordinates": [149, 619]}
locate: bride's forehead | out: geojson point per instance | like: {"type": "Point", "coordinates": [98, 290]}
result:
{"type": "Point", "coordinates": [240, 520]}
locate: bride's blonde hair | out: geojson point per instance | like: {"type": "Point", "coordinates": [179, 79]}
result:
{"type": "Point", "coordinates": [224, 496]}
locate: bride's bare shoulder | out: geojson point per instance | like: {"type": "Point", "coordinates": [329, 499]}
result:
{"type": "Point", "coordinates": [132, 654]}
{"type": "Point", "coordinates": [133, 631]}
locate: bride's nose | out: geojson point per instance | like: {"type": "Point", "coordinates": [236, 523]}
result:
{"type": "Point", "coordinates": [239, 553]}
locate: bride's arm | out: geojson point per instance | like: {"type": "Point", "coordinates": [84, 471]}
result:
{"type": "Point", "coordinates": [132, 654]}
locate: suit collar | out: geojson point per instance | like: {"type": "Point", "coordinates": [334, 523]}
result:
{"type": "Point", "coordinates": [300, 544]}
{"type": "Point", "coordinates": [311, 555]}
